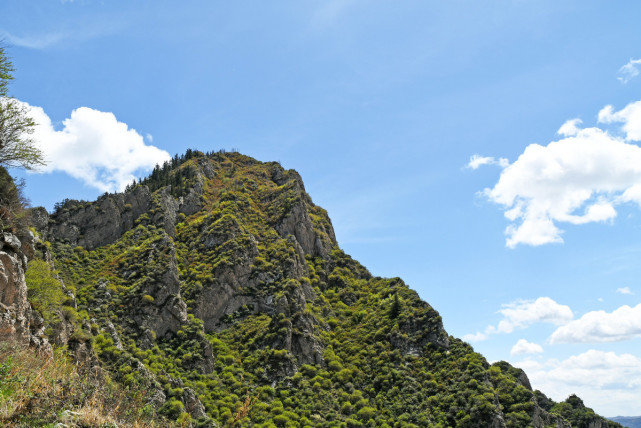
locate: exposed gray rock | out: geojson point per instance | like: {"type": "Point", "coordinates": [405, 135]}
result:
{"type": "Point", "coordinates": [93, 224]}
{"type": "Point", "coordinates": [12, 242]}
{"type": "Point", "coordinates": [414, 333]}
{"type": "Point", "coordinates": [166, 215]}
{"type": "Point", "coordinates": [111, 330]}
{"type": "Point", "coordinates": [15, 311]}
{"type": "Point", "coordinates": [168, 311]}
{"type": "Point", "coordinates": [39, 219]}
{"type": "Point", "coordinates": [193, 405]}
{"type": "Point", "coordinates": [298, 224]}
{"type": "Point", "coordinates": [290, 312]}
{"type": "Point", "coordinates": [62, 332]}
{"type": "Point", "coordinates": [191, 203]}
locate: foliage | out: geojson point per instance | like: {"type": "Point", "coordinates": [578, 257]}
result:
{"type": "Point", "coordinates": [16, 148]}
{"type": "Point", "coordinates": [574, 411]}
{"type": "Point", "coordinates": [6, 70]}
{"type": "Point", "coordinates": [13, 217]}
{"type": "Point", "coordinates": [36, 391]}
{"type": "Point", "coordinates": [44, 290]}
{"type": "Point", "coordinates": [383, 356]}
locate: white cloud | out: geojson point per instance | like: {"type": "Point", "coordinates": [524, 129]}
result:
{"type": "Point", "coordinates": [523, 313]}
{"type": "Point", "coordinates": [624, 290]}
{"type": "Point", "coordinates": [600, 326]}
{"type": "Point", "coordinates": [93, 146]}
{"type": "Point", "coordinates": [524, 347]}
{"type": "Point", "coordinates": [34, 41]}
{"type": "Point", "coordinates": [629, 71]}
{"type": "Point", "coordinates": [629, 116]}
{"type": "Point", "coordinates": [611, 381]}
{"type": "Point", "coordinates": [578, 179]}
{"type": "Point", "coordinates": [477, 160]}
{"type": "Point", "coordinates": [570, 128]}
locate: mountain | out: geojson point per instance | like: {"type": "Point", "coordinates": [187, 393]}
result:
{"type": "Point", "coordinates": [214, 293]}
{"type": "Point", "coordinates": [628, 421]}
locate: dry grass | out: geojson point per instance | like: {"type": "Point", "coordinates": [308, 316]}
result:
{"type": "Point", "coordinates": [41, 391]}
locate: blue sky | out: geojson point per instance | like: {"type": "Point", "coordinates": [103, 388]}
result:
{"type": "Point", "coordinates": [381, 107]}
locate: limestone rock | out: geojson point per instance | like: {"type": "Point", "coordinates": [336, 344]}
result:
{"type": "Point", "coordinates": [193, 405]}
{"type": "Point", "coordinates": [15, 311]}
{"type": "Point", "coordinates": [94, 224]}
{"type": "Point", "coordinates": [168, 311]}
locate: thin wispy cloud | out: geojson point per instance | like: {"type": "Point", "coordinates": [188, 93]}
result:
{"type": "Point", "coordinates": [629, 71]}
{"type": "Point", "coordinates": [624, 290]}
{"type": "Point", "coordinates": [33, 41]}
{"type": "Point", "coordinates": [63, 34]}
{"type": "Point", "coordinates": [329, 12]}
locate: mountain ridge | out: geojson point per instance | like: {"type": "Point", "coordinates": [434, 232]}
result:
{"type": "Point", "coordinates": [218, 286]}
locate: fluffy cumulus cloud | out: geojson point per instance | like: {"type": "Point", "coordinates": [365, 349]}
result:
{"type": "Point", "coordinates": [606, 381]}
{"type": "Point", "coordinates": [93, 146]}
{"type": "Point", "coordinates": [524, 347]}
{"type": "Point", "coordinates": [578, 179]}
{"type": "Point", "coordinates": [523, 313]}
{"type": "Point", "coordinates": [629, 71]}
{"type": "Point", "coordinates": [599, 326]}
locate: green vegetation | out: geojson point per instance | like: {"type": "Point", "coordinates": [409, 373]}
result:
{"type": "Point", "coordinates": [44, 291]}
{"type": "Point", "coordinates": [274, 337]}
{"type": "Point", "coordinates": [13, 217]}
{"type": "Point", "coordinates": [16, 148]}
{"type": "Point", "coordinates": [39, 391]}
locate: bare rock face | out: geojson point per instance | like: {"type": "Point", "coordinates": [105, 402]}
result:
{"type": "Point", "coordinates": [16, 314]}
{"type": "Point", "coordinates": [414, 334]}
{"type": "Point", "coordinates": [542, 419]}
{"type": "Point", "coordinates": [191, 203]}
{"type": "Point", "coordinates": [91, 225]}
{"type": "Point", "coordinates": [167, 312]}
{"type": "Point", "coordinates": [299, 339]}
{"type": "Point", "coordinates": [417, 327]}
{"type": "Point", "coordinates": [297, 222]}
{"type": "Point", "coordinates": [168, 208]}
{"type": "Point", "coordinates": [15, 310]}
{"type": "Point", "coordinates": [193, 405]}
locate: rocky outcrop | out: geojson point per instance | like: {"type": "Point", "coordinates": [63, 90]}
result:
{"type": "Point", "coordinates": [414, 334]}
{"type": "Point", "coordinates": [166, 210]}
{"type": "Point", "coordinates": [94, 224]}
{"type": "Point", "coordinates": [193, 405]}
{"type": "Point", "coordinates": [18, 321]}
{"type": "Point", "coordinates": [296, 326]}
{"type": "Point", "coordinates": [166, 311]}
{"type": "Point", "coordinates": [316, 240]}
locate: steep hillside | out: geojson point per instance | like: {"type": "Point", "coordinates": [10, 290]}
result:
{"type": "Point", "coordinates": [218, 288]}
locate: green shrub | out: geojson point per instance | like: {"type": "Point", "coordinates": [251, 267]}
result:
{"type": "Point", "coordinates": [44, 291]}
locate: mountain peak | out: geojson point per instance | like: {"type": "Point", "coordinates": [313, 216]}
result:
{"type": "Point", "coordinates": [218, 285]}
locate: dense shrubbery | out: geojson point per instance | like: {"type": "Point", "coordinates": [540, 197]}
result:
{"type": "Point", "coordinates": [384, 359]}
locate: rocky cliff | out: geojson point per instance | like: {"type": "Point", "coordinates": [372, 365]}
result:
{"type": "Point", "coordinates": [19, 322]}
{"type": "Point", "coordinates": [218, 285]}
